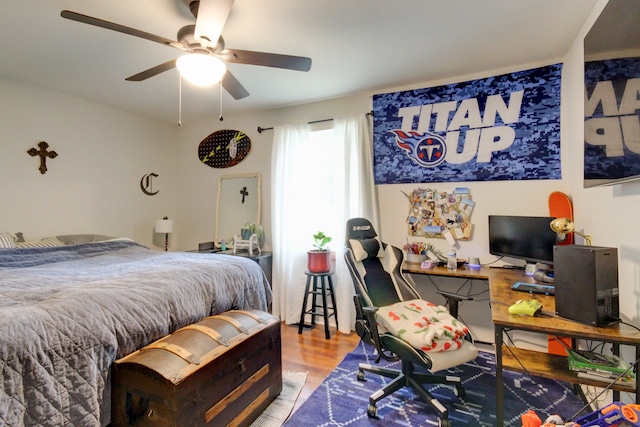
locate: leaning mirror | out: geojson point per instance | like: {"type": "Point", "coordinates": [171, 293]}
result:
{"type": "Point", "coordinates": [239, 201]}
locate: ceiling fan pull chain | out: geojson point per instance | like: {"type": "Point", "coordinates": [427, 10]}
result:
{"type": "Point", "coordinates": [179, 100]}
{"type": "Point", "coordinates": [220, 85]}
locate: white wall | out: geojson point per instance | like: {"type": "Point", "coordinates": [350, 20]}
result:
{"type": "Point", "coordinates": [198, 184]}
{"type": "Point", "coordinates": [93, 186]}
{"type": "Point", "coordinates": [604, 213]}
{"type": "Point", "coordinates": [507, 197]}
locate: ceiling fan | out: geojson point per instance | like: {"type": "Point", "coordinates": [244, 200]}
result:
{"type": "Point", "coordinates": [202, 42]}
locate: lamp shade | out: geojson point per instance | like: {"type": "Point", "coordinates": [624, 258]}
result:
{"type": "Point", "coordinates": [201, 69]}
{"type": "Point", "coordinates": [164, 226]}
{"type": "Point", "coordinates": [565, 225]}
{"type": "Point", "coordinates": [562, 225]}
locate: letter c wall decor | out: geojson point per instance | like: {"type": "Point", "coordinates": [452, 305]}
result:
{"type": "Point", "coordinates": [146, 184]}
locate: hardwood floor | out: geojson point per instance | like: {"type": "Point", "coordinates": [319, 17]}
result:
{"type": "Point", "coordinates": [311, 352]}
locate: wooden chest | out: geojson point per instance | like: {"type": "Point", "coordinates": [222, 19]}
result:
{"type": "Point", "coordinates": [223, 370]}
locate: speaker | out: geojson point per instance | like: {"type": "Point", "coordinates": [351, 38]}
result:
{"type": "Point", "coordinates": [586, 284]}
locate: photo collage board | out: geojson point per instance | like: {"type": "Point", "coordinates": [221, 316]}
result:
{"type": "Point", "coordinates": [435, 213]}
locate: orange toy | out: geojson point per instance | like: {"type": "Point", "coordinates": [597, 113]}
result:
{"type": "Point", "coordinates": [531, 419]}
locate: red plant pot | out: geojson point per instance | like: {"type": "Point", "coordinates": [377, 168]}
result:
{"type": "Point", "coordinates": [319, 261]}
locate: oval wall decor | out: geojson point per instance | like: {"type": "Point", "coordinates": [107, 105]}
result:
{"type": "Point", "coordinates": [224, 148]}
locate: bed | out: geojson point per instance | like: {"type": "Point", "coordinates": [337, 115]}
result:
{"type": "Point", "coordinates": [68, 311]}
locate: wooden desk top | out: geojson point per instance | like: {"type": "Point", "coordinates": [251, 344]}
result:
{"type": "Point", "coordinates": [502, 296]}
{"type": "Point", "coordinates": [463, 272]}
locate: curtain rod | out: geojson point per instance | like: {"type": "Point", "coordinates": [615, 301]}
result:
{"type": "Point", "coordinates": [260, 130]}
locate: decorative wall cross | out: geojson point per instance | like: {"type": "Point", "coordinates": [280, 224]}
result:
{"type": "Point", "coordinates": [43, 153]}
{"type": "Point", "coordinates": [244, 193]}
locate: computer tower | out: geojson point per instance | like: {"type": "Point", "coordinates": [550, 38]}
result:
{"type": "Point", "coordinates": [586, 284]}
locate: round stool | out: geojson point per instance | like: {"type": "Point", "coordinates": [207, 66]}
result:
{"type": "Point", "coordinates": [322, 285]}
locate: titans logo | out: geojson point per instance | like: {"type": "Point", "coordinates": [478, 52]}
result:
{"type": "Point", "coordinates": [426, 149]}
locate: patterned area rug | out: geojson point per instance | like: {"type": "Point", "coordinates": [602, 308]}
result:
{"type": "Point", "coordinates": [341, 400]}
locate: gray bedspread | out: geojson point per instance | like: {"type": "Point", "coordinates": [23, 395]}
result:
{"type": "Point", "coordinates": [67, 313]}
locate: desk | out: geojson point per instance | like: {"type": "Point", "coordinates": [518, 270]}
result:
{"type": "Point", "coordinates": [464, 272]}
{"type": "Point", "coordinates": [463, 287]}
{"type": "Point", "coordinates": [535, 362]}
{"type": "Point", "coordinates": [540, 363]}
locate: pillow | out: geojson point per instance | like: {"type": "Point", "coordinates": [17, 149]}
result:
{"type": "Point", "coordinates": [424, 325]}
{"type": "Point", "coordinates": [47, 242]}
{"type": "Point", "coordinates": [80, 239]}
{"type": "Point", "coordinates": [365, 248]}
{"type": "Point", "coordinates": [7, 240]}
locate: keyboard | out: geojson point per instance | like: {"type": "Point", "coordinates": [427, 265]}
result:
{"type": "Point", "coordinates": [534, 288]}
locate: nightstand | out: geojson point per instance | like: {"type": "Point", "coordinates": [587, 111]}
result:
{"type": "Point", "coordinates": [263, 259]}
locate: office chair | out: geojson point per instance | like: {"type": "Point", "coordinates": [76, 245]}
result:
{"type": "Point", "coordinates": [381, 289]}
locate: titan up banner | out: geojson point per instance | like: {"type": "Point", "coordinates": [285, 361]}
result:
{"type": "Point", "coordinates": [505, 127]}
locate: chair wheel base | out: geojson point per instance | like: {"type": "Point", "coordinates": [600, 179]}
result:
{"type": "Point", "coordinates": [360, 375]}
{"type": "Point", "coordinates": [372, 411]}
{"type": "Point", "coordinates": [444, 422]}
{"type": "Point", "coordinates": [459, 391]}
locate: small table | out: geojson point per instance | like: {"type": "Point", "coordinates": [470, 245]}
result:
{"type": "Point", "coordinates": [263, 259]}
{"type": "Point", "coordinates": [322, 284]}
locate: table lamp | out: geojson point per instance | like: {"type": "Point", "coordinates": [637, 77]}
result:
{"type": "Point", "coordinates": [565, 225]}
{"type": "Point", "coordinates": [165, 226]}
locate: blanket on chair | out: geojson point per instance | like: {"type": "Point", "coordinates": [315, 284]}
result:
{"type": "Point", "coordinates": [424, 325]}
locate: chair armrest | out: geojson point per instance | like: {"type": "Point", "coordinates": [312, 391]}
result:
{"type": "Point", "coordinates": [453, 300]}
{"type": "Point", "coordinates": [453, 296]}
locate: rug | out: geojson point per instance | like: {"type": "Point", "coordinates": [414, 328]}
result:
{"type": "Point", "coordinates": [341, 400]}
{"type": "Point", "coordinates": [278, 411]}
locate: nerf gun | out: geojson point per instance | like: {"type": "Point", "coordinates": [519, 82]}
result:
{"type": "Point", "coordinates": [615, 414]}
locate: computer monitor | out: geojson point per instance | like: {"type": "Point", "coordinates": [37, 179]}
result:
{"type": "Point", "coordinates": [529, 238]}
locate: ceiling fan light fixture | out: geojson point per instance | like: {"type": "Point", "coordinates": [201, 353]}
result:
{"type": "Point", "coordinates": [201, 69]}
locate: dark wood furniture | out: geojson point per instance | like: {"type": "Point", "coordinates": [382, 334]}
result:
{"type": "Point", "coordinates": [263, 259]}
{"type": "Point", "coordinates": [319, 286]}
{"type": "Point", "coordinates": [536, 362]}
{"type": "Point", "coordinates": [222, 370]}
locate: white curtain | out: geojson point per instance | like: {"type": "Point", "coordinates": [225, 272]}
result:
{"type": "Point", "coordinates": [313, 192]}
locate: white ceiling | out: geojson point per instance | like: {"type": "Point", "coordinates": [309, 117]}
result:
{"type": "Point", "coordinates": [356, 46]}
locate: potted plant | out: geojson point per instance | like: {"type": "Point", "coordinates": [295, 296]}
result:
{"type": "Point", "coordinates": [249, 229]}
{"type": "Point", "coordinates": [320, 257]}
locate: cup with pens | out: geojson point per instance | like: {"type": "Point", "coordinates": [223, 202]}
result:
{"type": "Point", "coordinates": [416, 252]}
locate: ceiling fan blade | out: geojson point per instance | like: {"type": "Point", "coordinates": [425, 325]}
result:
{"type": "Point", "coordinates": [297, 63]}
{"type": "Point", "coordinates": [85, 19]}
{"type": "Point", "coordinates": [154, 71]}
{"type": "Point", "coordinates": [212, 15]}
{"type": "Point", "coordinates": [233, 86]}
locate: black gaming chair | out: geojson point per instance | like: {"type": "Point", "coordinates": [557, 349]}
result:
{"type": "Point", "coordinates": [376, 270]}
